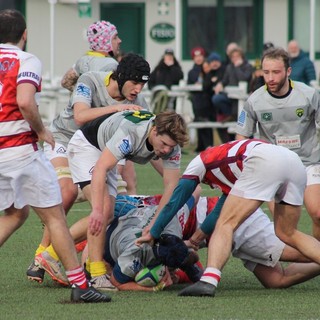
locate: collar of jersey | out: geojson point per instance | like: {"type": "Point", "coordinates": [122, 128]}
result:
{"type": "Point", "coordinates": [107, 78]}
{"type": "Point", "coordinates": [95, 54]}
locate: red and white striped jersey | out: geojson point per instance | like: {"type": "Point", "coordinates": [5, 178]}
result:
{"type": "Point", "coordinates": [220, 166]}
{"type": "Point", "coordinates": [17, 139]}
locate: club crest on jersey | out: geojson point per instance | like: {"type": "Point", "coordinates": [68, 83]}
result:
{"type": "Point", "coordinates": [299, 112]}
{"type": "Point", "coordinates": [266, 116]}
{"type": "Point", "coordinates": [125, 146]}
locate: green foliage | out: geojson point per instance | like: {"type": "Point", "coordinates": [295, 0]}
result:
{"type": "Point", "coordinates": [239, 296]}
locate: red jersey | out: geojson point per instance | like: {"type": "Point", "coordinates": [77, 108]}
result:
{"type": "Point", "coordinates": [220, 166]}
{"type": "Point", "coordinates": [17, 139]}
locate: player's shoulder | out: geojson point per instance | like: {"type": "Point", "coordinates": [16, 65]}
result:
{"type": "Point", "coordinates": [257, 94]}
{"type": "Point", "coordinates": [302, 87]}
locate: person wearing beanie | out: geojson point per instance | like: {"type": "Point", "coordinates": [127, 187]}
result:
{"type": "Point", "coordinates": [211, 79]}
{"type": "Point", "coordinates": [97, 93]}
{"type": "Point", "coordinates": [104, 44]}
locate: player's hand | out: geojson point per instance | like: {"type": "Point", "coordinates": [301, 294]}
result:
{"type": "Point", "coordinates": [148, 238]}
{"type": "Point", "coordinates": [192, 245]}
{"type": "Point", "coordinates": [95, 223]}
{"type": "Point", "coordinates": [167, 280]}
{"type": "Point", "coordinates": [123, 107]}
{"type": "Point", "coordinates": [47, 136]}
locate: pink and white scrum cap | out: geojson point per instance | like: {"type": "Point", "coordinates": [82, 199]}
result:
{"type": "Point", "coordinates": [100, 34]}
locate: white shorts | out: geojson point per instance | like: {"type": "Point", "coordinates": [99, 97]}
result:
{"type": "Point", "coordinates": [313, 174]}
{"type": "Point", "coordinates": [272, 172]}
{"type": "Point", "coordinates": [255, 242]}
{"type": "Point", "coordinates": [82, 156]}
{"type": "Point", "coordinates": [59, 151]}
{"type": "Point", "coordinates": [31, 183]}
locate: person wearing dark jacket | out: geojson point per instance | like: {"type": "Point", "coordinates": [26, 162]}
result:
{"type": "Point", "coordinates": [227, 109]}
{"type": "Point", "coordinates": [168, 72]}
{"type": "Point", "coordinates": [302, 68]}
{"type": "Point", "coordinates": [201, 103]}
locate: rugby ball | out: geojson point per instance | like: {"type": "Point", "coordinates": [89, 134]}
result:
{"type": "Point", "coordinates": [150, 276]}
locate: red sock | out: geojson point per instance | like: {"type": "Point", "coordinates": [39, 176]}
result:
{"type": "Point", "coordinates": [78, 277]}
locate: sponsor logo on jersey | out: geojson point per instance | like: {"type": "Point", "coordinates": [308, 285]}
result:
{"type": "Point", "coordinates": [83, 90]}
{"type": "Point", "coordinates": [31, 75]}
{"type": "Point", "coordinates": [266, 116]}
{"type": "Point", "coordinates": [138, 116]}
{"type": "Point", "coordinates": [299, 112]}
{"type": "Point", "coordinates": [175, 158]}
{"type": "Point", "coordinates": [125, 146]}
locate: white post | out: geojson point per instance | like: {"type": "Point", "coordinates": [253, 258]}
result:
{"type": "Point", "coordinates": [52, 46]}
{"type": "Point", "coordinates": [178, 29]}
{"type": "Point", "coordinates": [312, 29]}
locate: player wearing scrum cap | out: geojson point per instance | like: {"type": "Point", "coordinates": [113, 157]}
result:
{"type": "Point", "coordinates": [104, 45]}
{"type": "Point", "coordinates": [96, 94]}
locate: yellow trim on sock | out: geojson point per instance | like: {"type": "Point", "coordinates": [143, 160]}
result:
{"type": "Point", "coordinates": [40, 249]}
{"type": "Point", "coordinates": [97, 268]}
{"type": "Point", "coordinates": [88, 265]}
{"type": "Point", "coordinates": [52, 253]}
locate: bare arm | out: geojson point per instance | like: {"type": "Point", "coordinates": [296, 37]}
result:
{"type": "Point", "coordinates": [29, 109]}
{"type": "Point", "coordinates": [69, 79]}
{"type": "Point", "coordinates": [83, 113]}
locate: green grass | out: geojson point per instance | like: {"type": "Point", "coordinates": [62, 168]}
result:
{"type": "Point", "coordinates": [239, 296]}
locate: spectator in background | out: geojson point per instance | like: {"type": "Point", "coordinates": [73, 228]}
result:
{"type": "Point", "coordinates": [201, 104]}
{"type": "Point", "coordinates": [302, 68]}
{"type": "Point", "coordinates": [168, 72]}
{"type": "Point", "coordinates": [211, 79]}
{"type": "Point", "coordinates": [227, 109]}
{"type": "Point", "coordinates": [231, 46]}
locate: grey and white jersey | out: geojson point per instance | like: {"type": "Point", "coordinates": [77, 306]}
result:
{"type": "Point", "coordinates": [288, 121]}
{"type": "Point", "coordinates": [93, 62]}
{"type": "Point", "coordinates": [123, 250]}
{"type": "Point", "coordinates": [90, 90]}
{"type": "Point", "coordinates": [125, 134]}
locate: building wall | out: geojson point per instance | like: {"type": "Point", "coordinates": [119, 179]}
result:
{"type": "Point", "coordinates": [69, 31]}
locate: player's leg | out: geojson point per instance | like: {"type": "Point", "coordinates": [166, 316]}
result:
{"type": "Point", "coordinates": [312, 204]}
{"type": "Point", "coordinates": [54, 218]}
{"type": "Point", "coordinates": [69, 194]}
{"type": "Point", "coordinates": [95, 263]}
{"type": "Point", "coordinates": [12, 220]}
{"type": "Point", "coordinates": [284, 277]}
{"type": "Point", "coordinates": [129, 176]}
{"type": "Point", "coordinates": [234, 211]}
{"type": "Point", "coordinates": [286, 219]}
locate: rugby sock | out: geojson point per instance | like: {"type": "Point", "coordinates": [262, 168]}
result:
{"type": "Point", "coordinates": [97, 268]}
{"type": "Point", "coordinates": [211, 275]}
{"type": "Point", "coordinates": [40, 249]}
{"type": "Point", "coordinates": [87, 265]}
{"type": "Point", "coordinates": [52, 252]}
{"type": "Point", "coordinates": [78, 277]}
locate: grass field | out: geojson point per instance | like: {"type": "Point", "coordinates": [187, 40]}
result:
{"type": "Point", "coordinates": [240, 295]}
